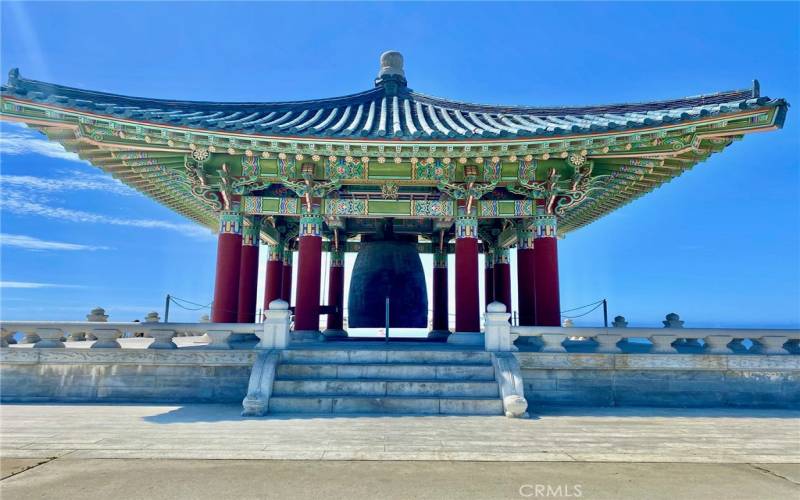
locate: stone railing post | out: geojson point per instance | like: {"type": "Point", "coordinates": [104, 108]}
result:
{"type": "Point", "coordinates": [162, 339]}
{"type": "Point", "coordinates": [219, 339]}
{"type": "Point", "coordinates": [662, 343]}
{"type": "Point", "coordinates": [497, 330]}
{"type": "Point", "coordinates": [275, 331]}
{"type": "Point", "coordinates": [29, 336]}
{"type": "Point", "coordinates": [772, 344]}
{"type": "Point", "coordinates": [718, 344]}
{"type": "Point", "coordinates": [672, 320]}
{"type": "Point", "coordinates": [6, 337]}
{"type": "Point", "coordinates": [49, 338]}
{"type": "Point", "coordinates": [607, 342]}
{"type": "Point", "coordinates": [553, 342]}
{"type": "Point", "coordinates": [106, 338]}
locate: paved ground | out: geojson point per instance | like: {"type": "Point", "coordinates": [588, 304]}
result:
{"type": "Point", "coordinates": [207, 451]}
{"type": "Point", "coordinates": [563, 435]}
{"type": "Point", "coordinates": [68, 478]}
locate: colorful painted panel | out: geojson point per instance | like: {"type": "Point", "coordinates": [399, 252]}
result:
{"type": "Point", "coordinates": [466, 227]}
{"type": "Point", "coordinates": [545, 226]}
{"type": "Point", "coordinates": [263, 205]}
{"type": "Point", "coordinates": [432, 208]}
{"type": "Point", "coordinates": [343, 169]}
{"type": "Point", "coordinates": [345, 207]}
{"type": "Point", "coordinates": [506, 208]}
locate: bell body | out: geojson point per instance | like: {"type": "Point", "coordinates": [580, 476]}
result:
{"type": "Point", "coordinates": [388, 268]}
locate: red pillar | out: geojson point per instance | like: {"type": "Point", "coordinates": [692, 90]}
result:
{"type": "Point", "coordinates": [502, 277]}
{"type": "Point", "coordinates": [545, 252]}
{"type": "Point", "coordinates": [309, 264]}
{"type": "Point", "coordinates": [468, 325]}
{"type": "Point", "coordinates": [248, 271]}
{"type": "Point", "coordinates": [440, 327]}
{"type": "Point", "coordinates": [229, 254]}
{"type": "Point", "coordinates": [274, 280]}
{"type": "Point", "coordinates": [526, 272]}
{"type": "Point", "coordinates": [286, 274]}
{"type": "Point", "coordinates": [488, 275]}
{"type": "Point", "coordinates": [335, 325]}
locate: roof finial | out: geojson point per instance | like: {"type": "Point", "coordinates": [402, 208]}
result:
{"type": "Point", "coordinates": [391, 75]}
{"type": "Point", "coordinates": [13, 76]}
{"type": "Point", "coordinates": [391, 64]}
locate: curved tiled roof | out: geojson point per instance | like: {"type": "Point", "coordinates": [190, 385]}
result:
{"type": "Point", "coordinates": [384, 112]}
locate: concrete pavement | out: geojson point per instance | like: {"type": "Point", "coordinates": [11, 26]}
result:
{"type": "Point", "coordinates": [88, 479]}
{"type": "Point", "coordinates": [562, 435]}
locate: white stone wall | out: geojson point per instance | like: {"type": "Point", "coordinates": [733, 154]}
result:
{"type": "Point", "coordinates": [124, 375]}
{"type": "Point", "coordinates": [675, 380]}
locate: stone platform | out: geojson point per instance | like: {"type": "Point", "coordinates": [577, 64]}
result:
{"type": "Point", "coordinates": [630, 435]}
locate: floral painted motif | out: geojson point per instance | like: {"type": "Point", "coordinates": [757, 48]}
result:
{"type": "Point", "coordinates": [287, 167]}
{"type": "Point", "coordinates": [527, 169]}
{"type": "Point", "coordinates": [436, 170]}
{"type": "Point", "coordinates": [492, 170]}
{"type": "Point", "coordinates": [432, 208]}
{"type": "Point", "coordinates": [288, 206]}
{"type": "Point", "coordinates": [488, 208]}
{"type": "Point", "coordinates": [343, 169]}
{"type": "Point", "coordinates": [250, 166]}
{"type": "Point", "coordinates": [345, 207]}
{"type": "Point", "coordinates": [524, 207]}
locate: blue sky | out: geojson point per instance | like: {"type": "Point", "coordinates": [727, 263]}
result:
{"type": "Point", "coordinates": [720, 245]}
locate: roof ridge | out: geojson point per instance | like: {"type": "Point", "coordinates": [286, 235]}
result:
{"type": "Point", "coordinates": [689, 101]}
{"type": "Point", "coordinates": [14, 81]}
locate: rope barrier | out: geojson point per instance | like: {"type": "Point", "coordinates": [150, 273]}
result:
{"type": "Point", "coordinates": [583, 307]}
{"type": "Point", "coordinates": [584, 314]}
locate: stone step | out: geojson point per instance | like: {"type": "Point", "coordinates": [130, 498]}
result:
{"type": "Point", "coordinates": [370, 356]}
{"type": "Point", "coordinates": [385, 405]}
{"type": "Point", "coordinates": [381, 371]}
{"type": "Point", "coordinates": [361, 387]}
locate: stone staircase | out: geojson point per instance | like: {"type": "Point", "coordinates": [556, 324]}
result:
{"type": "Point", "coordinates": [358, 381]}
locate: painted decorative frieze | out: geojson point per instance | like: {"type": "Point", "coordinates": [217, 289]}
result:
{"type": "Point", "coordinates": [432, 208]}
{"type": "Point", "coordinates": [275, 253]}
{"type": "Point", "coordinates": [345, 207]}
{"type": "Point", "coordinates": [230, 223]}
{"type": "Point", "coordinates": [310, 225]}
{"type": "Point", "coordinates": [337, 257]}
{"type": "Point", "coordinates": [525, 238]}
{"type": "Point", "coordinates": [545, 226]}
{"type": "Point", "coordinates": [251, 230]}
{"type": "Point", "coordinates": [501, 256]}
{"type": "Point", "coordinates": [488, 258]}
{"type": "Point", "coordinates": [466, 227]}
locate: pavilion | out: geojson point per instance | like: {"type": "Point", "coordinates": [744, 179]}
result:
{"type": "Point", "coordinates": [389, 170]}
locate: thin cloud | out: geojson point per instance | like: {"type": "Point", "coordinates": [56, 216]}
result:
{"type": "Point", "coordinates": [34, 285]}
{"type": "Point", "coordinates": [18, 204]}
{"type": "Point", "coordinates": [76, 181]}
{"type": "Point", "coordinates": [25, 142]}
{"type": "Point", "coordinates": [31, 243]}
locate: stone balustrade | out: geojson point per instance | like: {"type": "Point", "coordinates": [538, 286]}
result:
{"type": "Point", "coordinates": [106, 335]}
{"type": "Point", "coordinates": [662, 340]}
{"type": "Point", "coordinates": [500, 336]}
